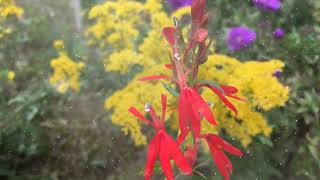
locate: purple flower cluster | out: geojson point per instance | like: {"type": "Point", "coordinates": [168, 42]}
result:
{"type": "Point", "coordinates": [240, 37]}
{"type": "Point", "coordinates": [176, 4]}
{"type": "Point", "coordinates": [277, 74]}
{"type": "Point", "coordinates": [278, 33]}
{"type": "Point", "coordinates": [269, 5]}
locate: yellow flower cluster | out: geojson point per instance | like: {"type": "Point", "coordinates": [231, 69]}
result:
{"type": "Point", "coordinates": [127, 47]}
{"type": "Point", "coordinates": [253, 79]}
{"type": "Point", "coordinates": [8, 8]}
{"type": "Point", "coordinates": [66, 72]}
{"type": "Point", "coordinates": [11, 75]}
{"type": "Point", "coordinates": [116, 23]}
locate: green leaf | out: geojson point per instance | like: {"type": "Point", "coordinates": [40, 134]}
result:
{"type": "Point", "coordinates": [211, 84]}
{"type": "Point", "coordinates": [32, 113]}
{"type": "Point", "coordinates": [171, 90]}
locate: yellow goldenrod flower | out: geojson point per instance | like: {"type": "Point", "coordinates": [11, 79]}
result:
{"type": "Point", "coordinates": [58, 44]}
{"type": "Point", "coordinates": [8, 8]}
{"type": "Point", "coordinates": [11, 75]}
{"type": "Point", "coordinates": [66, 72]}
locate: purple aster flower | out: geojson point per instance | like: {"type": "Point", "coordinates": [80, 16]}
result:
{"type": "Point", "coordinates": [269, 5]}
{"type": "Point", "coordinates": [240, 37]}
{"type": "Point", "coordinates": [277, 74]}
{"type": "Point", "coordinates": [278, 33]}
{"type": "Point", "coordinates": [176, 4]}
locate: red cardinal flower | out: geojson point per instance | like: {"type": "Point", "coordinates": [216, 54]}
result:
{"type": "Point", "coordinates": [216, 146]}
{"type": "Point", "coordinates": [162, 145]}
{"type": "Point", "coordinates": [222, 93]}
{"type": "Point", "coordinates": [190, 104]}
{"type": "Point", "coordinates": [190, 107]}
{"type": "Point", "coordinates": [187, 56]}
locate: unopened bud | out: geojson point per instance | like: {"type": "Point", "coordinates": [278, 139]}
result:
{"type": "Point", "coordinates": [176, 22]}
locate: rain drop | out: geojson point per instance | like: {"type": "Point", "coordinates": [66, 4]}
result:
{"type": "Point", "coordinates": [210, 104]}
{"type": "Point", "coordinates": [177, 56]}
{"type": "Point", "coordinates": [147, 107]}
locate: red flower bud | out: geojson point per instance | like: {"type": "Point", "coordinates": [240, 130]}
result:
{"type": "Point", "coordinates": [197, 10]}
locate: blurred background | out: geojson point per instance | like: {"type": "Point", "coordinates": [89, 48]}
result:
{"type": "Point", "coordinates": [51, 130]}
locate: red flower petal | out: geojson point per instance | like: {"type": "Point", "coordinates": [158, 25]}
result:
{"type": "Point", "coordinates": [195, 121]}
{"type": "Point", "coordinates": [200, 35]}
{"type": "Point", "coordinates": [191, 154]}
{"type": "Point", "coordinates": [169, 34]}
{"type": "Point", "coordinates": [218, 161]}
{"type": "Point", "coordinates": [182, 136]}
{"type": "Point", "coordinates": [183, 112]}
{"type": "Point", "coordinates": [223, 144]}
{"type": "Point", "coordinates": [224, 99]}
{"type": "Point", "coordinates": [154, 116]}
{"type": "Point", "coordinates": [202, 107]}
{"type": "Point", "coordinates": [226, 160]}
{"type": "Point", "coordinates": [177, 155]}
{"type": "Point", "coordinates": [197, 10]}
{"type": "Point", "coordinates": [153, 152]}
{"type": "Point", "coordinates": [168, 66]}
{"type": "Point", "coordinates": [229, 89]}
{"type": "Point", "coordinates": [165, 160]}
{"type": "Point", "coordinates": [156, 77]}
{"type": "Point", "coordinates": [136, 113]}
{"type": "Point", "coordinates": [204, 20]}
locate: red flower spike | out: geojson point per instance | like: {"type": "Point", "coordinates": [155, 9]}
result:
{"type": "Point", "coordinates": [216, 145]}
{"type": "Point", "coordinates": [162, 145]}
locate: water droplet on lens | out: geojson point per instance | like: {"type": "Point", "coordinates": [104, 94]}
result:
{"type": "Point", "coordinates": [147, 107]}
{"type": "Point", "coordinates": [210, 104]}
{"type": "Point", "coordinates": [177, 56]}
